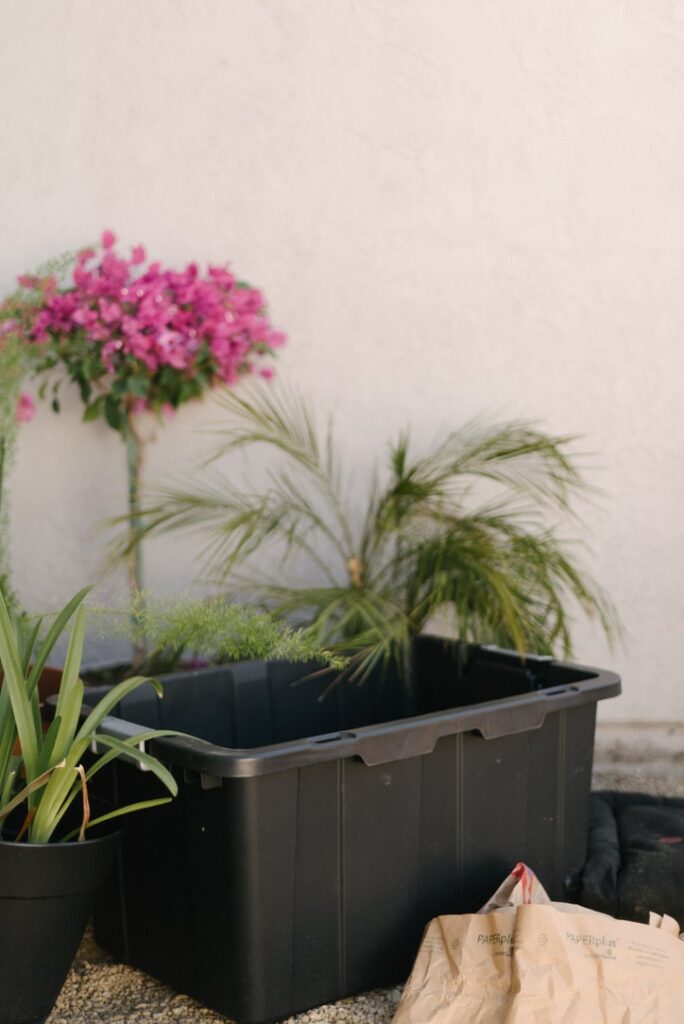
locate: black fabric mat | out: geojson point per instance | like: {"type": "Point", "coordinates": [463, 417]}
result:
{"type": "Point", "coordinates": [635, 856]}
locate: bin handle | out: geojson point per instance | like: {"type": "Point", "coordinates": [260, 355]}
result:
{"type": "Point", "coordinates": [407, 740]}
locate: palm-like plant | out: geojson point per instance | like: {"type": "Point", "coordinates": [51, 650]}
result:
{"type": "Point", "coordinates": [463, 529]}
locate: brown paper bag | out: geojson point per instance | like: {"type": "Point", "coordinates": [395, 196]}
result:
{"type": "Point", "coordinates": [525, 960]}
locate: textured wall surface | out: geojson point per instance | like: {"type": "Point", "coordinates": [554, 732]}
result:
{"type": "Point", "coordinates": [453, 207]}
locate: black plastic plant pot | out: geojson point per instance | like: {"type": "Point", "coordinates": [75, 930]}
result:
{"type": "Point", "coordinates": [47, 893]}
{"type": "Point", "coordinates": [318, 827]}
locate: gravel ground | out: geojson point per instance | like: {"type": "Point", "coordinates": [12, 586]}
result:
{"type": "Point", "coordinates": [99, 991]}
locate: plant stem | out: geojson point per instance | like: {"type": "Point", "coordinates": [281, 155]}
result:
{"type": "Point", "coordinates": [2, 470]}
{"type": "Point", "coordinates": [134, 456]}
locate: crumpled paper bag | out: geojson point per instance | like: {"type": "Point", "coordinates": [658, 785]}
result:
{"type": "Point", "coordinates": [525, 960]}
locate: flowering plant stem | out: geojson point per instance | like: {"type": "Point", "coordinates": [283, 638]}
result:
{"type": "Point", "coordinates": [12, 413]}
{"type": "Point", "coordinates": [135, 450]}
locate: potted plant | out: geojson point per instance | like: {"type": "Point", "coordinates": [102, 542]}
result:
{"type": "Point", "coordinates": [136, 337]}
{"type": "Point", "coordinates": [54, 851]}
{"type": "Point", "coordinates": [334, 816]}
{"type": "Point", "coordinates": [461, 532]}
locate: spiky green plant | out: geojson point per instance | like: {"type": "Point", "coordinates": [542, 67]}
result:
{"type": "Point", "coordinates": [463, 529]}
{"type": "Point", "coordinates": [42, 772]}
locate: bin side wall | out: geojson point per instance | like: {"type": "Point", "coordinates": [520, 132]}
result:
{"type": "Point", "coordinates": [277, 893]}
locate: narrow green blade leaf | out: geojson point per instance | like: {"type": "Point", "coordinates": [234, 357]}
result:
{"type": "Point", "coordinates": [30, 640]}
{"type": "Point", "coordinates": [49, 810]}
{"type": "Point", "coordinates": [7, 787]}
{"type": "Point", "coordinates": [15, 683]}
{"type": "Point", "coordinates": [72, 663]}
{"type": "Point", "coordinates": [49, 743]}
{"type": "Point", "coordinates": [53, 635]}
{"type": "Point", "coordinates": [132, 744]}
{"type": "Point", "coordinates": [22, 795]}
{"type": "Point", "coordinates": [150, 762]}
{"type": "Point", "coordinates": [110, 700]}
{"type": "Point", "coordinates": [129, 809]}
{"type": "Point", "coordinates": [68, 721]}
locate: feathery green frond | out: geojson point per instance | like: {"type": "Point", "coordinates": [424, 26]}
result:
{"type": "Point", "coordinates": [212, 629]}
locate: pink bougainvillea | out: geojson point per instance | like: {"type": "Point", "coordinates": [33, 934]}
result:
{"type": "Point", "coordinates": [138, 336]}
{"type": "Point", "coordinates": [134, 337]}
{"type": "Point", "coordinates": [26, 408]}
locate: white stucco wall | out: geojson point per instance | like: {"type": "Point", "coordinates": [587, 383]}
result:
{"type": "Point", "coordinates": [453, 208]}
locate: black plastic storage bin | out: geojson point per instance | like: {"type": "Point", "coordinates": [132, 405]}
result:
{"type": "Point", "coordinates": [317, 830]}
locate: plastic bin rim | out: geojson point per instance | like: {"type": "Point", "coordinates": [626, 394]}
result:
{"type": "Point", "coordinates": [392, 740]}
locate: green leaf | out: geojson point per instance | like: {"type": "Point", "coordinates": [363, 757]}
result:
{"type": "Point", "coordinates": [29, 638]}
{"type": "Point", "coordinates": [132, 744]}
{"type": "Point", "coordinates": [7, 787]}
{"type": "Point", "coordinates": [53, 635]}
{"type": "Point", "coordinates": [49, 743]}
{"type": "Point", "coordinates": [111, 699]}
{"type": "Point", "coordinates": [68, 716]}
{"type": "Point", "coordinates": [72, 663]}
{"type": "Point", "coordinates": [138, 386]}
{"type": "Point", "coordinates": [94, 410]}
{"type": "Point", "coordinates": [150, 762]}
{"type": "Point", "coordinates": [24, 793]}
{"type": "Point", "coordinates": [113, 413]}
{"type": "Point", "coordinates": [55, 797]}
{"type": "Point", "coordinates": [142, 805]}
{"type": "Point", "coordinates": [18, 696]}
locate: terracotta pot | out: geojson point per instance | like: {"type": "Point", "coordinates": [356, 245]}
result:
{"type": "Point", "coordinates": [48, 684]}
{"type": "Point", "coordinates": [50, 681]}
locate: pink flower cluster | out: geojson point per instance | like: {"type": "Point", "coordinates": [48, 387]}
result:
{"type": "Point", "coordinates": [136, 320]}
{"type": "Point", "coordinates": [26, 408]}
